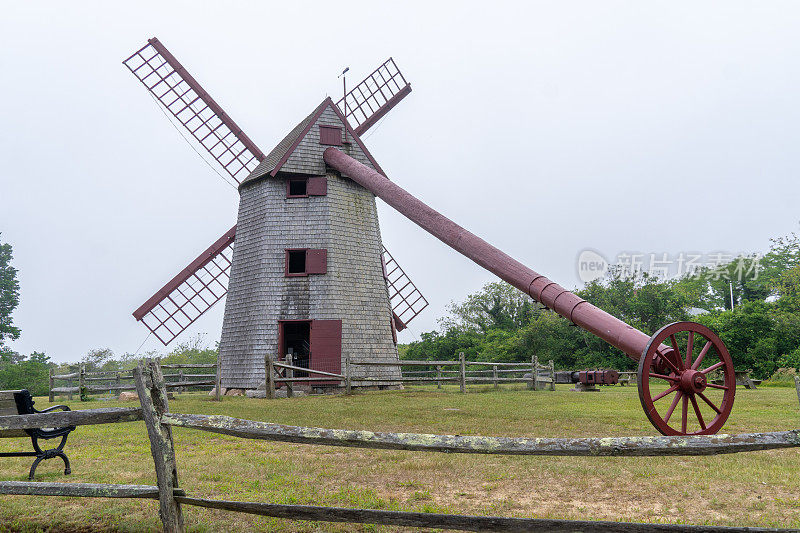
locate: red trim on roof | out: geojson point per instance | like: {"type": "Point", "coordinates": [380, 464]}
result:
{"type": "Point", "coordinates": [325, 103]}
{"type": "Point", "coordinates": [300, 137]}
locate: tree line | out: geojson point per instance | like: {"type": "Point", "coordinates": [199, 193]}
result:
{"type": "Point", "coordinates": [752, 302]}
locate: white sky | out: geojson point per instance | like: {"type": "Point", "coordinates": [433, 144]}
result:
{"type": "Point", "coordinates": [545, 128]}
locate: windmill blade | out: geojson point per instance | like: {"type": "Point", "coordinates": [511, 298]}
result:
{"type": "Point", "coordinates": [375, 96]}
{"type": "Point", "coordinates": [193, 107]}
{"type": "Point", "coordinates": [191, 293]}
{"type": "Point", "coordinates": [407, 302]}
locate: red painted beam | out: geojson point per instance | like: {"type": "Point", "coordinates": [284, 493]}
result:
{"type": "Point", "coordinates": [210, 102]}
{"type": "Point", "coordinates": [385, 108]}
{"type": "Point", "coordinates": [609, 328]}
{"type": "Point", "coordinates": [202, 260]}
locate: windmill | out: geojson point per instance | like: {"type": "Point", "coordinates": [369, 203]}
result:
{"type": "Point", "coordinates": [308, 273]}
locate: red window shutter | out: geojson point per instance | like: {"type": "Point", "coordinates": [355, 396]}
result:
{"type": "Point", "coordinates": [317, 186]}
{"type": "Point", "coordinates": [331, 135]}
{"type": "Point", "coordinates": [316, 261]}
{"type": "Point", "coordinates": [326, 347]}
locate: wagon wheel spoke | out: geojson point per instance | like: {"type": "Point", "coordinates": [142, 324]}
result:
{"type": "Point", "coordinates": [713, 367]}
{"type": "Point", "coordinates": [702, 354]}
{"type": "Point", "coordinates": [689, 349]}
{"type": "Point", "coordinates": [662, 376]}
{"type": "Point", "coordinates": [710, 404]}
{"type": "Point", "coordinates": [715, 386]}
{"type": "Point", "coordinates": [684, 413]}
{"type": "Point", "coordinates": [666, 392]}
{"type": "Point", "coordinates": [697, 412]}
{"type": "Point", "coordinates": [678, 356]}
{"type": "Point", "coordinates": [670, 363]}
{"type": "Point", "coordinates": [672, 407]}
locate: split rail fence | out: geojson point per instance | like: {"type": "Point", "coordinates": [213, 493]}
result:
{"type": "Point", "coordinates": [534, 374]}
{"type": "Point", "coordinates": [159, 422]}
{"type": "Point", "coordinates": [200, 376]}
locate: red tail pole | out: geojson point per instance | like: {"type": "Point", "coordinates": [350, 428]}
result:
{"type": "Point", "coordinates": [609, 328]}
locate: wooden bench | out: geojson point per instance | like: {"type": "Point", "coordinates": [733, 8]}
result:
{"type": "Point", "coordinates": [20, 402]}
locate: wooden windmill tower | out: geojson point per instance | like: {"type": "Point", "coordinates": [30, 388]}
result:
{"type": "Point", "coordinates": [309, 274]}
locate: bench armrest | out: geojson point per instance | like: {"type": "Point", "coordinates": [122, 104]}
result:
{"type": "Point", "coordinates": [62, 407]}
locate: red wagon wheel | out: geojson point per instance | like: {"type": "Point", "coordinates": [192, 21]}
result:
{"type": "Point", "coordinates": [686, 368]}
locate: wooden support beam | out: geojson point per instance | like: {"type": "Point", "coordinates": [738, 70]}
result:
{"type": "Point", "coordinates": [289, 375]}
{"type": "Point", "coordinates": [797, 387]}
{"type": "Point", "coordinates": [218, 380]}
{"type": "Point", "coordinates": [348, 372]}
{"type": "Point", "coordinates": [82, 392]}
{"type": "Point", "coordinates": [84, 490]}
{"type": "Point", "coordinates": [153, 397]}
{"type": "Point", "coordinates": [463, 374]}
{"type": "Point", "coordinates": [607, 446]}
{"type": "Point", "coordinates": [307, 370]}
{"type": "Point", "coordinates": [270, 366]}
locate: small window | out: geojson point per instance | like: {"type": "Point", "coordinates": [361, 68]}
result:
{"type": "Point", "coordinates": [330, 135]}
{"type": "Point", "coordinates": [305, 261]}
{"type": "Point", "coordinates": [295, 262]}
{"type": "Point", "coordinates": [297, 188]}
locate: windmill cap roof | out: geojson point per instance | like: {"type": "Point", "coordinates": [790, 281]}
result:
{"type": "Point", "coordinates": [278, 156]}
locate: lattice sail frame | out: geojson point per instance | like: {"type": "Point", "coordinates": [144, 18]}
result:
{"type": "Point", "coordinates": [172, 85]}
{"type": "Point", "coordinates": [371, 99]}
{"type": "Point", "coordinates": [191, 293]}
{"type": "Point", "coordinates": [406, 300]}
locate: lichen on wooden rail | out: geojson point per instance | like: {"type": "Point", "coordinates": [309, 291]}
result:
{"type": "Point", "coordinates": [85, 490]}
{"type": "Point", "coordinates": [448, 521]}
{"type": "Point", "coordinates": [608, 446]}
{"type": "Point", "coordinates": [60, 419]}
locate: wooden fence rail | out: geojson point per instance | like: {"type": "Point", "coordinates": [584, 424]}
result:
{"type": "Point", "coordinates": [539, 374]}
{"type": "Point", "coordinates": [159, 422]}
{"type": "Point", "coordinates": [93, 382]}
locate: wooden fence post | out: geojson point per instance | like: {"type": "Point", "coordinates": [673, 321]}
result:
{"type": "Point", "coordinates": [797, 387]}
{"type": "Point", "coordinates": [438, 376]}
{"type": "Point", "coordinates": [533, 373]}
{"type": "Point", "coordinates": [82, 383]}
{"type": "Point", "coordinates": [494, 375]}
{"type": "Point", "coordinates": [290, 375]}
{"type": "Point", "coordinates": [218, 381]}
{"type": "Point", "coordinates": [69, 384]}
{"type": "Point", "coordinates": [270, 377]}
{"type": "Point", "coordinates": [348, 380]}
{"type": "Point", "coordinates": [153, 398]}
{"type": "Point", "coordinates": [463, 382]}
{"type": "Point", "coordinates": [50, 395]}
{"type": "Point", "coordinates": [118, 382]}
{"type": "Point", "coordinates": [180, 380]}
{"type": "Point", "coordinates": [552, 375]}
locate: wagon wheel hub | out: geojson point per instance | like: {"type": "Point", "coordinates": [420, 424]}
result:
{"type": "Point", "coordinates": [693, 381]}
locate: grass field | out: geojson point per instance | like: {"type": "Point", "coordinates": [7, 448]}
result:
{"type": "Point", "coordinates": [756, 489]}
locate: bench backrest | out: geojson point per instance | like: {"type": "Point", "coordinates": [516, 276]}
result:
{"type": "Point", "coordinates": [9, 405]}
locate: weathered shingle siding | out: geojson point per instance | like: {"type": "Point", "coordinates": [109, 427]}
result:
{"type": "Point", "coordinates": [307, 157]}
{"type": "Point", "coordinates": [345, 222]}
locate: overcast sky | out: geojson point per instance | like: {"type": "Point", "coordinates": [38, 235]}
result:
{"type": "Point", "coordinates": [546, 128]}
